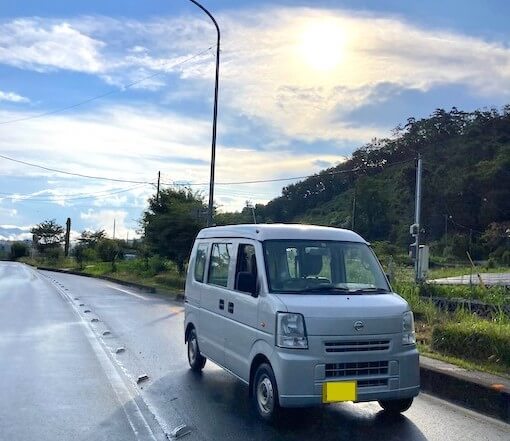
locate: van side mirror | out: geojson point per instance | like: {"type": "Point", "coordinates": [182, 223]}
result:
{"type": "Point", "coordinates": [247, 282]}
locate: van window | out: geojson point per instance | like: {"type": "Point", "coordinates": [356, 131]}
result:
{"type": "Point", "coordinates": [220, 261]}
{"type": "Point", "coordinates": [302, 266]}
{"type": "Point", "coordinates": [200, 262]}
{"type": "Point", "coordinates": [246, 263]}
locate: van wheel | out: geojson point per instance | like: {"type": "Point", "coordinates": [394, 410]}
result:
{"type": "Point", "coordinates": [395, 407]}
{"type": "Point", "coordinates": [265, 393]}
{"type": "Point", "coordinates": [195, 359]}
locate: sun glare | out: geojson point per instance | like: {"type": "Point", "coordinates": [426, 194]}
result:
{"type": "Point", "coordinates": [322, 45]}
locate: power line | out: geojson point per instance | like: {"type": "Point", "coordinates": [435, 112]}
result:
{"type": "Point", "coordinates": [19, 198]}
{"type": "Point", "coordinates": [48, 193]}
{"type": "Point", "coordinates": [261, 181]}
{"type": "Point", "coordinates": [103, 95]}
{"type": "Point", "coordinates": [30, 164]}
{"type": "Point", "coordinates": [258, 181]}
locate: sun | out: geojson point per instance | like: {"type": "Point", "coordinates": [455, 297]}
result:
{"type": "Point", "coordinates": [322, 45]}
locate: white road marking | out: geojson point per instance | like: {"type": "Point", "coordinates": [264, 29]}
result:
{"type": "Point", "coordinates": [125, 396]}
{"type": "Point", "coordinates": [128, 292]}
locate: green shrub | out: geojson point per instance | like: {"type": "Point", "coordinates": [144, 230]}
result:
{"type": "Point", "coordinates": [476, 340]}
{"type": "Point", "coordinates": [423, 310]}
{"type": "Point", "coordinates": [156, 264]}
{"type": "Point", "coordinates": [494, 295]}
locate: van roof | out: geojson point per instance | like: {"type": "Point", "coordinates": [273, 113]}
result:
{"type": "Point", "coordinates": [263, 232]}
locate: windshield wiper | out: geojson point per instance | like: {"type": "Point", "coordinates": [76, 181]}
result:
{"type": "Point", "coordinates": [327, 288]}
{"type": "Point", "coordinates": [361, 290]}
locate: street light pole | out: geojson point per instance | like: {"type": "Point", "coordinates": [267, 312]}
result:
{"type": "Point", "coordinates": [215, 117]}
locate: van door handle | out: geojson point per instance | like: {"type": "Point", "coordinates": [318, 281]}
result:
{"type": "Point", "coordinates": [230, 307]}
{"type": "Point", "coordinates": [222, 304]}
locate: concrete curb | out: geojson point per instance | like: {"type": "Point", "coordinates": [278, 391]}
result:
{"type": "Point", "coordinates": [478, 391]}
{"type": "Point", "coordinates": [484, 393]}
{"type": "Point", "coordinates": [139, 286]}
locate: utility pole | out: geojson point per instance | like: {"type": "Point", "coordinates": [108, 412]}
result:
{"type": "Point", "coordinates": [353, 209]}
{"type": "Point", "coordinates": [157, 191]}
{"type": "Point", "coordinates": [114, 228]}
{"type": "Point", "coordinates": [67, 237]}
{"type": "Point", "coordinates": [249, 205]}
{"type": "Point", "coordinates": [417, 215]}
{"type": "Point", "coordinates": [445, 230]}
{"type": "Point", "coordinates": [215, 116]}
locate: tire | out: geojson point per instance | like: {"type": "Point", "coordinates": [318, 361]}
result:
{"type": "Point", "coordinates": [265, 394]}
{"type": "Point", "coordinates": [195, 359]}
{"type": "Point", "coordinates": [396, 407]}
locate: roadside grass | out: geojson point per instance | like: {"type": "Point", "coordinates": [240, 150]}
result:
{"type": "Point", "coordinates": [460, 337]}
{"type": "Point", "coordinates": [494, 295]}
{"type": "Point", "coordinates": [441, 272]}
{"type": "Point", "coordinates": [155, 272]}
{"type": "Point", "coordinates": [488, 367]}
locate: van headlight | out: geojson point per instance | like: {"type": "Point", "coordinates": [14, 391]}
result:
{"type": "Point", "coordinates": [291, 331]}
{"type": "Point", "coordinates": [408, 334]}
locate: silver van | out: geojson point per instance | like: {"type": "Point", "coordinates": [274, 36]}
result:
{"type": "Point", "coordinates": [302, 314]}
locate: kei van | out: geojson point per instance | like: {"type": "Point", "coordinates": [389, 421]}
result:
{"type": "Point", "coordinates": [304, 315]}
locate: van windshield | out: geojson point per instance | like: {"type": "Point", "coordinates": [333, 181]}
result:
{"type": "Point", "coordinates": [323, 267]}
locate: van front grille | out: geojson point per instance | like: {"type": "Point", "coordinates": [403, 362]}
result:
{"type": "Point", "coordinates": [373, 383]}
{"type": "Point", "coordinates": [357, 346]}
{"type": "Point", "coordinates": [361, 369]}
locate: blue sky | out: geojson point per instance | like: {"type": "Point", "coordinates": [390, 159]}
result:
{"type": "Point", "coordinates": [303, 83]}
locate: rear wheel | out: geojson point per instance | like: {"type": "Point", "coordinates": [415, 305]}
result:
{"type": "Point", "coordinates": [195, 359]}
{"type": "Point", "coordinates": [265, 393]}
{"type": "Point", "coordinates": [395, 407]}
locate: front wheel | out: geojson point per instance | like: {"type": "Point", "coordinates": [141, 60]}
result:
{"type": "Point", "coordinates": [195, 359]}
{"type": "Point", "coordinates": [395, 407]}
{"type": "Point", "coordinates": [265, 393]}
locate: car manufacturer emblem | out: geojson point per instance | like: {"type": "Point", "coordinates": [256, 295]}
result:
{"type": "Point", "coordinates": [359, 325]}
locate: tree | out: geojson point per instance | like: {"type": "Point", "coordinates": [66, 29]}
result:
{"type": "Point", "coordinates": [91, 238]}
{"type": "Point", "coordinates": [171, 223]}
{"type": "Point", "coordinates": [48, 234]}
{"type": "Point", "coordinates": [18, 249]}
{"type": "Point", "coordinates": [108, 250]}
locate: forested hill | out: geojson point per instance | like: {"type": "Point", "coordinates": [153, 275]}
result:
{"type": "Point", "coordinates": [466, 182]}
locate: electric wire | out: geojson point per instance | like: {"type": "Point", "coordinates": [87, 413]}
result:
{"type": "Point", "coordinates": [103, 95]}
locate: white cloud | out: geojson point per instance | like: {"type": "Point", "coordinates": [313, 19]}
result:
{"type": "Point", "coordinates": [13, 97]}
{"type": "Point", "coordinates": [279, 68]}
{"type": "Point", "coordinates": [129, 143]}
{"type": "Point", "coordinates": [299, 70]}
{"type": "Point", "coordinates": [15, 232]}
{"type": "Point", "coordinates": [47, 44]}
{"type": "Point", "coordinates": [105, 220]}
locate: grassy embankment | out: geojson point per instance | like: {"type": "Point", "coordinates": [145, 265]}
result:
{"type": "Point", "coordinates": [155, 272]}
{"type": "Point", "coordinates": [460, 338]}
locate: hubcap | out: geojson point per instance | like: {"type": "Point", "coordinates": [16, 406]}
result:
{"type": "Point", "coordinates": [265, 395]}
{"type": "Point", "coordinates": [192, 350]}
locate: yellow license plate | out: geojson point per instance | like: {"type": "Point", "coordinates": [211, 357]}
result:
{"type": "Point", "coordinates": [339, 391]}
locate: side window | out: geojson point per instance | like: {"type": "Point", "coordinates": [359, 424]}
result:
{"type": "Point", "coordinates": [200, 262]}
{"type": "Point", "coordinates": [219, 263]}
{"type": "Point", "coordinates": [246, 269]}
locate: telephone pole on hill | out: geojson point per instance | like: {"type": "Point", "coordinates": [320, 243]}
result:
{"type": "Point", "coordinates": [157, 191]}
{"type": "Point", "coordinates": [417, 220]}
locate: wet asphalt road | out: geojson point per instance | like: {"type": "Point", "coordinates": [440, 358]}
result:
{"type": "Point", "coordinates": [60, 378]}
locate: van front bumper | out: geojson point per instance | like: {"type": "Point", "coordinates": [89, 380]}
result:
{"type": "Point", "coordinates": [380, 375]}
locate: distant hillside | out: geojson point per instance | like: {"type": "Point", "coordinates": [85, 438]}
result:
{"type": "Point", "coordinates": [466, 183]}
